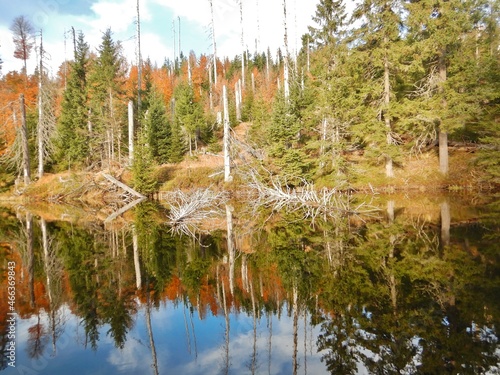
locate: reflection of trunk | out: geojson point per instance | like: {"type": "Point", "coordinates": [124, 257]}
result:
{"type": "Point", "coordinates": [445, 223]}
{"type": "Point", "coordinates": [47, 265]}
{"type": "Point", "coordinates": [392, 277]}
{"type": "Point", "coordinates": [137, 266]}
{"type": "Point", "coordinates": [226, 332]}
{"type": "Point", "coordinates": [244, 272]}
{"type": "Point", "coordinates": [270, 341]}
{"type": "Point", "coordinates": [230, 246]}
{"type": "Point", "coordinates": [253, 366]}
{"type": "Point", "coordinates": [295, 364]}
{"type": "Point", "coordinates": [31, 258]}
{"type": "Point", "coordinates": [151, 338]}
{"type": "Point", "coordinates": [186, 327]}
{"type": "Point", "coordinates": [227, 157]}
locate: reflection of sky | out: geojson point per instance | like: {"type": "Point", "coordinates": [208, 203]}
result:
{"type": "Point", "coordinates": [184, 345]}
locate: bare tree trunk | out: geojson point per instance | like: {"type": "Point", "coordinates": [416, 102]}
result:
{"type": "Point", "coordinates": [130, 132]}
{"type": "Point", "coordinates": [139, 61]}
{"type": "Point", "coordinates": [24, 136]}
{"type": "Point", "coordinates": [443, 152]}
{"type": "Point", "coordinates": [40, 113]}
{"type": "Point", "coordinates": [287, 62]}
{"type": "Point", "coordinates": [242, 46]}
{"type": "Point", "coordinates": [389, 172]}
{"type": "Point", "coordinates": [237, 99]}
{"type": "Point", "coordinates": [227, 157]}
{"type": "Point", "coordinates": [213, 43]}
{"type": "Point", "coordinates": [443, 135]}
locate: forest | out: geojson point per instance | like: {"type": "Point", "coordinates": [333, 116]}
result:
{"type": "Point", "coordinates": [395, 93]}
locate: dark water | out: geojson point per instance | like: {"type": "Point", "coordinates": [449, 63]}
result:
{"type": "Point", "coordinates": [414, 288]}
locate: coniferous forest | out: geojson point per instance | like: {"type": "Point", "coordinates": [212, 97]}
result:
{"type": "Point", "coordinates": [395, 93]}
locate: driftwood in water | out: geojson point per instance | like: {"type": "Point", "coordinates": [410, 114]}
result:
{"type": "Point", "coordinates": [122, 210]}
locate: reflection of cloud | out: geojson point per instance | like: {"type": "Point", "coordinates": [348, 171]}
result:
{"type": "Point", "coordinates": [132, 359]}
{"type": "Point", "coordinates": [210, 361]}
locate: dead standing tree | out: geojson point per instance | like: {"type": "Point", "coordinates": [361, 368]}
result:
{"type": "Point", "coordinates": [23, 31]}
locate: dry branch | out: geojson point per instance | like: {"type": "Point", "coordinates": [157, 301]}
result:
{"type": "Point", "coordinates": [277, 195]}
{"type": "Point", "coordinates": [188, 210]}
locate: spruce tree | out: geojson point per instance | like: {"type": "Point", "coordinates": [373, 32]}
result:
{"type": "Point", "coordinates": [377, 52]}
{"type": "Point", "coordinates": [188, 113]}
{"type": "Point", "coordinates": [143, 166]}
{"type": "Point", "coordinates": [157, 127]}
{"type": "Point", "coordinates": [72, 143]}
{"type": "Point", "coordinates": [106, 81]}
{"type": "Point", "coordinates": [436, 33]}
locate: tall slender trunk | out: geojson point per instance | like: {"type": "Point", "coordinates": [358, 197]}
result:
{"type": "Point", "coordinates": [242, 46]}
{"type": "Point", "coordinates": [443, 134]}
{"type": "Point", "coordinates": [389, 172]}
{"type": "Point", "coordinates": [445, 223]}
{"type": "Point", "coordinates": [31, 258]}
{"type": "Point", "coordinates": [286, 62]}
{"type": "Point", "coordinates": [213, 43]}
{"type": "Point", "coordinates": [24, 137]}
{"type": "Point", "coordinates": [230, 246]}
{"type": "Point", "coordinates": [130, 132]}
{"type": "Point", "coordinates": [227, 158]}
{"type": "Point", "coordinates": [40, 113]}
{"type": "Point", "coordinates": [139, 61]}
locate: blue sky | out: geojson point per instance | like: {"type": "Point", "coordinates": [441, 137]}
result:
{"type": "Point", "coordinates": [263, 24]}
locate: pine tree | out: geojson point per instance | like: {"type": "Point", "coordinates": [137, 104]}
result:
{"type": "Point", "coordinates": [73, 133]}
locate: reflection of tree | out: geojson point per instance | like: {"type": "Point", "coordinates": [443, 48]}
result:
{"type": "Point", "coordinates": [53, 269]}
{"type": "Point", "coordinates": [37, 339]}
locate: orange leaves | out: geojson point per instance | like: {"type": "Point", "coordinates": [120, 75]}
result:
{"type": "Point", "coordinates": [11, 86]}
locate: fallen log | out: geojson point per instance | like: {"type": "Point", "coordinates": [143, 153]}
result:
{"type": "Point", "coordinates": [122, 185]}
{"type": "Point", "coordinates": [122, 210]}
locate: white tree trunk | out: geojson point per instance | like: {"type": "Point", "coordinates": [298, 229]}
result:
{"type": "Point", "coordinates": [130, 132]}
{"type": "Point", "coordinates": [242, 46]}
{"type": "Point", "coordinates": [213, 43]}
{"type": "Point", "coordinates": [227, 157]}
{"type": "Point", "coordinates": [24, 136]}
{"type": "Point", "coordinates": [40, 113]}
{"type": "Point", "coordinates": [238, 100]}
{"type": "Point", "coordinates": [286, 62]}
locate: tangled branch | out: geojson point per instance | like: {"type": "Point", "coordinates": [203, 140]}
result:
{"type": "Point", "coordinates": [188, 210]}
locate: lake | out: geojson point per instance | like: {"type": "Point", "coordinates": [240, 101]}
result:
{"type": "Point", "coordinates": [407, 285]}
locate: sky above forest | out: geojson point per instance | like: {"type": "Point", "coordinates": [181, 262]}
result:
{"type": "Point", "coordinates": [263, 26]}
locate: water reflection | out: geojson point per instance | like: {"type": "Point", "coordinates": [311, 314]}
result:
{"type": "Point", "coordinates": [415, 291]}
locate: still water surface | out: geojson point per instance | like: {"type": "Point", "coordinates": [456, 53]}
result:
{"type": "Point", "coordinates": [411, 289]}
